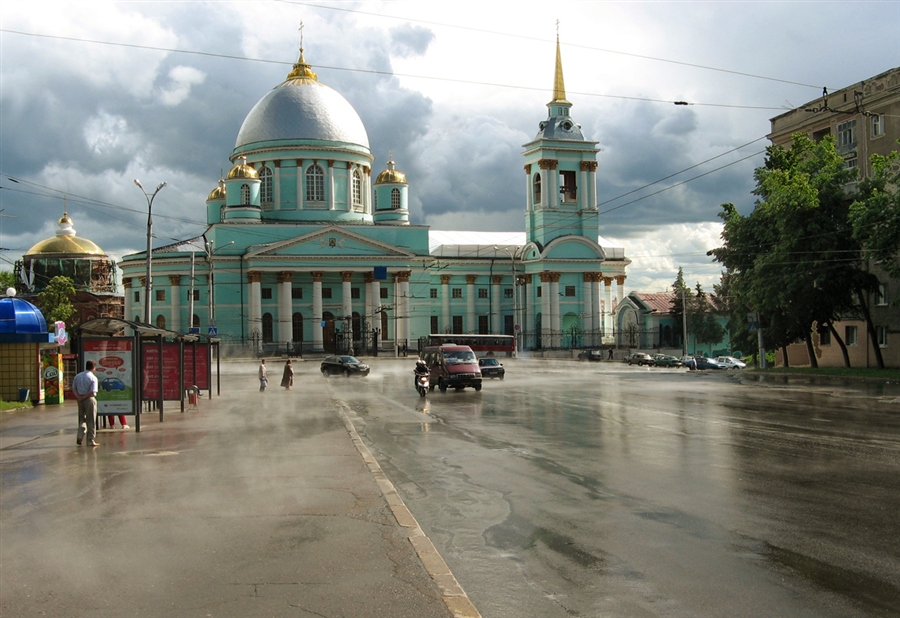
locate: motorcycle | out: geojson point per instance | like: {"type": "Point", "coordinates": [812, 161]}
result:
{"type": "Point", "coordinates": [421, 378]}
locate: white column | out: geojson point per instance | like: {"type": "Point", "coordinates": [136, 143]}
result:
{"type": "Point", "coordinates": [254, 320]}
{"type": "Point", "coordinates": [620, 288]}
{"type": "Point", "coordinates": [471, 323]}
{"type": "Point", "coordinates": [529, 190]}
{"type": "Point", "coordinates": [445, 302]}
{"type": "Point", "coordinates": [285, 315]}
{"type": "Point", "coordinates": [496, 321]}
{"type": "Point", "coordinates": [276, 187]}
{"type": "Point", "coordinates": [545, 310]}
{"type": "Point", "coordinates": [607, 308]}
{"type": "Point", "coordinates": [553, 176]}
{"type": "Point", "coordinates": [129, 298]}
{"type": "Point", "coordinates": [587, 313]}
{"type": "Point", "coordinates": [331, 185]}
{"type": "Point", "coordinates": [545, 186]}
{"type": "Point", "coordinates": [584, 194]}
{"type": "Point", "coordinates": [554, 309]}
{"type": "Point", "coordinates": [175, 292]}
{"type": "Point", "coordinates": [317, 311]}
{"type": "Point", "coordinates": [592, 187]}
{"type": "Point", "coordinates": [346, 294]}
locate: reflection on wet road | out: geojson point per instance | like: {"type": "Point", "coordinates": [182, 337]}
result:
{"type": "Point", "coordinates": [575, 490]}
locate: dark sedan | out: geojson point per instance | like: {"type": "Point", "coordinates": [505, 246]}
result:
{"type": "Point", "coordinates": [344, 366]}
{"type": "Point", "coordinates": [664, 360]}
{"type": "Point", "coordinates": [491, 368]}
{"type": "Point", "coordinates": [639, 358]}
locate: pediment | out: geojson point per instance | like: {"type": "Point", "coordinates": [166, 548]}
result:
{"type": "Point", "coordinates": [327, 242]}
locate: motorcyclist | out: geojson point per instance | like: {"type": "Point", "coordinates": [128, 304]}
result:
{"type": "Point", "coordinates": [421, 369]}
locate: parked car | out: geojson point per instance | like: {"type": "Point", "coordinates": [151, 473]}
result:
{"type": "Point", "coordinates": [664, 360]}
{"type": "Point", "coordinates": [708, 363]}
{"type": "Point", "coordinates": [639, 358]}
{"type": "Point", "coordinates": [731, 362]}
{"type": "Point", "coordinates": [591, 355]}
{"type": "Point", "coordinates": [491, 368]}
{"type": "Point", "coordinates": [112, 384]}
{"type": "Point", "coordinates": [344, 366]}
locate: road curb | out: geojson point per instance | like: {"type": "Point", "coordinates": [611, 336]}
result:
{"type": "Point", "coordinates": [455, 598]}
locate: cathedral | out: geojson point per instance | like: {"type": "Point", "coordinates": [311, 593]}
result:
{"type": "Point", "coordinates": [309, 250]}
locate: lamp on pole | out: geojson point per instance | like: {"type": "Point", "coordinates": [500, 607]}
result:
{"type": "Point", "coordinates": [147, 283]}
{"type": "Point", "coordinates": [512, 260]}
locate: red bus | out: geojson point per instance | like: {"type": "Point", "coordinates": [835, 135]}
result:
{"type": "Point", "coordinates": [480, 344]}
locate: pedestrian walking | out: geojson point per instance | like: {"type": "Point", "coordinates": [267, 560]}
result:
{"type": "Point", "coordinates": [287, 378]}
{"type": "Point", "coordinates": [263, 375]}
{"type": "Point", "coordinates": [84, 387]}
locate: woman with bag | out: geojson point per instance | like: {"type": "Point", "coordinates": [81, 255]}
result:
{"type": "Point", "coordinates": [287, 378]}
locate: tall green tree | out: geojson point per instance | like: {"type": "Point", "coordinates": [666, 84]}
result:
{"type": "Point", "coordinates": [875, 214]}
{"type": "Point", "coordinates": [702, 320]}
{"type": "Point", "coordinates": [681, 295]}
{"type": "Point", "coordinates": [7, 280]}
{"type": "Point", "coordinates": [55, 302]}
{"type": "Point", "coordinates": [794, 258]}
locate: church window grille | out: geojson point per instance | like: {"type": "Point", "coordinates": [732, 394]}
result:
{"type": "Point", "coordinates": [265, 293]}
{"type": "Point", "coordinates": [570, 291]}
{"type": "Point", "coordinates": [195, 321]}
{"type": "Point", "coordinates": [507, 292]}
{"type": "Point", "coordinates": [297, 322]}
{"type": "Point", "coordinates": [137, 297]}
{"type": "Point", "coordinates": [433, 293]}
{"type": "Point", "coordinates": [160, 296]}
{"type": "Point", "coordinates": [297, 293]}
{"type": "Point", "coordinates": [383, 292]}
{"type": "Point", "coordinates": [354, 293]}
{"type": "Point", "coordinates": [537, 188]}
{"type": "Point", "coordinates": [483, 327]}
{"type": "Point", "coordinates": [357, 188]}
{"type": "Point", "coordinates": [245, 195]}
{"type": "Point", "coordinates": [457, 324]}
{"type": "Point", "coordinates": [196, 295]}
{"type": "Point", "coordinates": [568, 189]}
{"type": "Point", "coordinates": [456, 293]}
{"type": "Point", "coordinates": [326, 293]}
{"type": "Point", "coordinates": [395, 199]}
{"type": "Point", "coordinates": [265, 186]}
{"type": "Point", "coordinates": [434, 324]}
{"type": "Point", "coordinates": [482, 293]}
{"type": "Point", "coordinates": [315, 184]}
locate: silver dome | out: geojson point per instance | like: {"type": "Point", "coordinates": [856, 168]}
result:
{"type": "Point", "coordinates": [560, 127]}
{"type": "Point", "coordinates": [309, 110]}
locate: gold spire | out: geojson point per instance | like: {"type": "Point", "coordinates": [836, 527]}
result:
{"type": "Point", "coordinates": [302, 70]}
{"type": "Point", "coordinates": [559, 84]}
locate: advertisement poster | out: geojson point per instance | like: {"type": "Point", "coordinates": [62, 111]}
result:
{"type": "Point", "coordinates": [192, 361]}
{"type": "Point", "coordinates": [115, 373]}
{"type": "Point", "coordinates": [52, 375]}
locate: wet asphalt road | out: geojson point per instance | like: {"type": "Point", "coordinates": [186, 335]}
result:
{"type": "Point", "coordinates": [571, 489]}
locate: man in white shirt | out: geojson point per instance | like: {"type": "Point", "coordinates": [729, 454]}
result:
{"type": "Point", "coordinates": [85, 386]}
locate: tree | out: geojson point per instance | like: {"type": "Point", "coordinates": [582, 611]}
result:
{"type": "Point", "coordinates": [55, 302]}
{"type": "Point", "coordinates": [794, 258]}
{"type": "Point", "coordinates": [875, 215]}
{"type": "Point", "coordinates": [682, 292]}
{"type": "Point", "coordinates": [702, 320]}
{"type": "Point", "coordinates": [7, 280]}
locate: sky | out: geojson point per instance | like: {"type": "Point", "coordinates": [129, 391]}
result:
{"type": "Point", "coordinates": [96, 94]}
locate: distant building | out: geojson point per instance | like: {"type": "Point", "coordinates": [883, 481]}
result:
{"type": "Point", "coordinates": [645, 321]}
{"type": "Point", "coordinates": [864, 119]}
{"type": "Point", "coordinates": [305, 252]}
{"type": "Point", "coordinates": [91, 270]}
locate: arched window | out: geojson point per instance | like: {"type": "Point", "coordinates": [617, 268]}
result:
{"type": "Point", "coordinates": [376, 200]}
{"type": "Point", "coordinates": [298, 327]}
{"type": "Point", "coordinates": [315, 183]}
{"type": "Point", "coordinates": [265, 186]}
{"type": "Point", "coordinates": [357, 188]}
{"type": "Point", "coordinates": [268, 335]}
{"type": "Point", "coordinates": [195, 321]}
{"type": "Point", "coordinates": [395, 198]}
{"type": "Point", "coordinates": [245, 195]}
{"type": "Point", "coordinates": [537, 188]}
{"type": "Point", "coordinates": [160, 321]}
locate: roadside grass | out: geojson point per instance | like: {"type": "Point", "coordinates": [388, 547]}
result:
{"type": "Point", "coordinates": [838, 372]}
{"type": "Point", "coordinates": [13, 405]}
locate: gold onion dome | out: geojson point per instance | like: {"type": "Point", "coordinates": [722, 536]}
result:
{"type": "Point", "coordinates": [65, 242]}
{"type": "Point", "coordinates": [391, 175]}
{"type": "Point", "coordinates": [218, 193]}
{"type": "Point", "coordinates": [242, 170]}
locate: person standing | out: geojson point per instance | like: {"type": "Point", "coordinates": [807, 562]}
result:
{"type": "Point", "coordinates": [263, 375]}
{"type": "Point", "coordinates": [287, 378]}
{"type": "Point", "coordinates": [85, 386]}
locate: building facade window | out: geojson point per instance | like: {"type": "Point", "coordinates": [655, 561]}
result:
{"type": "Point", "coordinates": [456, 293]}
{"type": "Point", "coordinates": [507, 292]}
{"type": "Point", "coordinates": [568, 189]}
{"type": "Point", "coordinates": [160, 296]}
{"type": "Point", "coordinates": [570, 291]}
{"type": "Point", "coordinates": [383, 292]}
{"type": "Point", "coordinates": [326, 293]}
{"type": "Point", "coordinates": [265, 185]}
{"type": "Point", "coordinates": [434, 324]}
{"type": "Point", "coordinates": [268, 332]}
{"type": "Point", "coordinates": [395, 199]}
{"type": "Point", "coordinates": [432, 293]}
{"type": "Point", "coordinates": [196, 295]}
{"type": "Point", "coordinates": [265, 293]}
{"type": "Point", "coordinates": [539, 288]}
{"type": "Point", "coordinates": [354, 293]}
{"type": "Point", "coordinates": [881, 336]}
{"type": "Point", "coordinates": [315, 184]}
{"type": "Point", "coordinates": [824, 336]}
{"type": "Point", "coordinates": [137, 297]}
{"type": "Point", "coordinates": [850, 335]}
{"type": "Point", "coordinates": [245, 195]}
{"type": "Point", "coordinates": [483, 327]}
{"type": "Point", "coordinates": [537, 188]}
{"type": "Point", "coordinates": [482, 293]}
{"type": "Point", "coordinates": [357, 188]}
{"type": "Point", "coordinates": [297, 322]}
{"type": "Point", "coordinates": [195, 321]}
{"type": "Point", "coordinates": [457, 324]}
{"type": "Point", "coordinates": [296, 293]}
{"type": "Point", "coordinates": [877, 125]}
{"type": "Point", "coordinates": [881, 295]}
{"type": "Point", "coordinates": [846, 136]}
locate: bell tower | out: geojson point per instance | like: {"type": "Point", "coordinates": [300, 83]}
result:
{"type": "Point", "coordinates": [561, 173]}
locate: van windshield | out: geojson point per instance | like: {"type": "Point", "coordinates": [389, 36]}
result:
{"type": "Point", "coordinates": [455, 358]}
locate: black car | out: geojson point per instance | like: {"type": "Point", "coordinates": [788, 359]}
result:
{"type": "Point", "coordinates": [344, 366]}
{"type": "Point", "coordinates": [491, 368]}
{"type": "Point", "coordinates": [591, 355]}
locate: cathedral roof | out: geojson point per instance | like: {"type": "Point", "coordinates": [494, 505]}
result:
{"type": "Point", "coordinates": [302, 108]}
{"type": "Point", "coordinates": [65, 242]}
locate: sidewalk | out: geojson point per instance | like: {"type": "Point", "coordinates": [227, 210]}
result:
{"type": "Point", "coordinates": [258, 504]}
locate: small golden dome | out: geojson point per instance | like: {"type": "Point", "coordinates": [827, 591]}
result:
{"type": "Point", "coordinates": [218, 193]}
{"type": "Point", "coordinates": [391, 175]}
{"type": "Point", "coordinates": [65, 242]}
{"type": "Point", "coordinates": [242, 170]}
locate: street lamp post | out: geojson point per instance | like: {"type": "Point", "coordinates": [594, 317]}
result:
{"type": "Point", "coordinates": [512, 260]}
{"type": "Point", "coordinates": [211, 294]}
{"type": "Point", "coordinates": [148, 286]}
